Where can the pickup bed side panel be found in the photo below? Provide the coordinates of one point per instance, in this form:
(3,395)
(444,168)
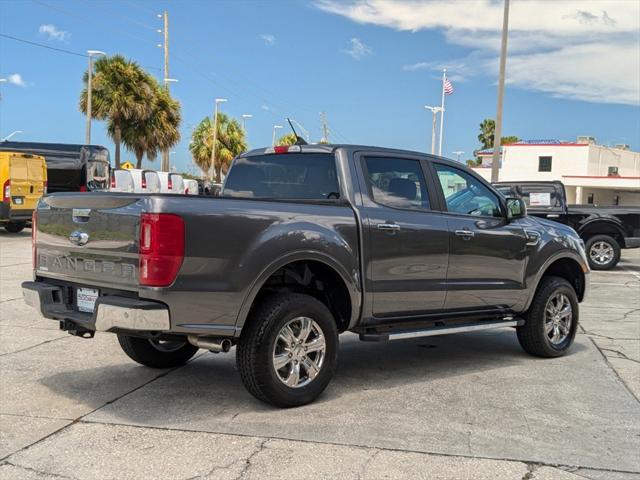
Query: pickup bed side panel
(232,244)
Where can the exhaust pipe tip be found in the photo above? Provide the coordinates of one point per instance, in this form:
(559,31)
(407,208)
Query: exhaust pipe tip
(215,345)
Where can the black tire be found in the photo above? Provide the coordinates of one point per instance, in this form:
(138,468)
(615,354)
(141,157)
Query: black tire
(255,350)
(15,227)
(599,240)
(531,335)
(156,354)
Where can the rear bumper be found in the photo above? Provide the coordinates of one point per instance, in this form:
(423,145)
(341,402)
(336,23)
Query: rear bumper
(14,214)
(632,242)
(112,312)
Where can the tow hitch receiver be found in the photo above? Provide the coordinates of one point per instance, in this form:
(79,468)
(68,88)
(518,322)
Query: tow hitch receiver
(76,330)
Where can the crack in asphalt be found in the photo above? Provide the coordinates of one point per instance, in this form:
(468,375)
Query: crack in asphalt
(38,472)
(365,465)
(247,464)
(33,346)
(622,355)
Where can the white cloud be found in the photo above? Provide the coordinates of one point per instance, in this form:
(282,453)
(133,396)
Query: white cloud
(358,49)
(52,33)
(267,39)
(16,79)
(265,108)
(566,48)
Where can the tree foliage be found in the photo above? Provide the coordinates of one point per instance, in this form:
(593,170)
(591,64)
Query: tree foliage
(287,139)
(487,134)
(230,143)
(122,92)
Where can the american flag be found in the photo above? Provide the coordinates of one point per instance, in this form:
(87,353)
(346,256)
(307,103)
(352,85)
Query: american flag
(448,88)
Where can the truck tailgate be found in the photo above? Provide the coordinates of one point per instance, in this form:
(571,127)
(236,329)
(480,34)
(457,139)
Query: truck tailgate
(89,238)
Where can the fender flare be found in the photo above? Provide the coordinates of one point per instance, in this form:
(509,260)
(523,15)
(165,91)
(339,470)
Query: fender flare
(351,283)
(611,222)
(545,266)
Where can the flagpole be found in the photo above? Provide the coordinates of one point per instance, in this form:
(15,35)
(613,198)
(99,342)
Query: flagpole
(444,78)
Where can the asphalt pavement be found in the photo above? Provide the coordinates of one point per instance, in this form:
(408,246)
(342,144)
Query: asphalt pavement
(465,406)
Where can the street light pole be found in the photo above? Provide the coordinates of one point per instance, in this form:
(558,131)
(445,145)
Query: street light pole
(434,112)
(165,166)
(458,153)
(244,118)
(273,137)
(90,53)
(495,163)
(215,138)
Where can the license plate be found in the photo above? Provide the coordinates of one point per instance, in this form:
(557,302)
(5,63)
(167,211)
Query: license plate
(86,299)
(17,200)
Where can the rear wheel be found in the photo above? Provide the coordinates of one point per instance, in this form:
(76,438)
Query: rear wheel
(552,319)
(156,353)
(603,252)
(15,227)
(288,350)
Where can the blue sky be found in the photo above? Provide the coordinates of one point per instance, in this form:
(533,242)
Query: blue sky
(371,65)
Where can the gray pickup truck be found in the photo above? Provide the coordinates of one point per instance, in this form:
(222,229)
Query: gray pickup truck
(306,242)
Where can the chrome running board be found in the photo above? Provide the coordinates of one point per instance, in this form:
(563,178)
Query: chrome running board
(432,331)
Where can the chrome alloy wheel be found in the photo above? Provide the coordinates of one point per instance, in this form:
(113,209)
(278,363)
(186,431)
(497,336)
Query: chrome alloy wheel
(558,318)
(299,352)
(601,253)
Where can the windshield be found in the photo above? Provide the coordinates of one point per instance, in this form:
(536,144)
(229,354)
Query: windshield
(303,176)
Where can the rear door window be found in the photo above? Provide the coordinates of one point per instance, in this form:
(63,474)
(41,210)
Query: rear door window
(97,176)
(397,182)
(540,196)
(302,176)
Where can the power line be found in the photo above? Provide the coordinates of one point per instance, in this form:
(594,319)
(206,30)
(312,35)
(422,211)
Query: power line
(48,47)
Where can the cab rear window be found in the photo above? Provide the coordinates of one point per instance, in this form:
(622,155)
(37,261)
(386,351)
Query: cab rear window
(303,176)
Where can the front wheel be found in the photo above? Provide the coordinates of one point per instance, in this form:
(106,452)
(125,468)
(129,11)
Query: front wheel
(603,252)
(15,227)
(552,319)
(156,353)
(288,350)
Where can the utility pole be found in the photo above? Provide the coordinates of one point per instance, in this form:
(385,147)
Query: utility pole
(434,112)
(90,53)
(165,16)
(495,163)
(325,128)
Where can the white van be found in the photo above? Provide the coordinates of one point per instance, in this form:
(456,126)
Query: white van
(190,187)
(145,181)
(121,181)
(171,183)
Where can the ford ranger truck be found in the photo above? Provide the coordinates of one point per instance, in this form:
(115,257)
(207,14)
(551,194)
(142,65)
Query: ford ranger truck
(304,243)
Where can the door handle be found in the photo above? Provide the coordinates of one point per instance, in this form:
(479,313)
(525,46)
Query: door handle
(389,227)
(467,234)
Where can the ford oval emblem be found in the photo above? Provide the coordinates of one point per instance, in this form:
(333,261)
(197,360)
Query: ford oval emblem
(79,238)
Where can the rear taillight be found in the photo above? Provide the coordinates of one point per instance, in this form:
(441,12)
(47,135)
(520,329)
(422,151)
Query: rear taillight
(284,149)
(34,237)
(113,180)
(83,188)
(144,182)
(161,248)
(6,191)
(169,183)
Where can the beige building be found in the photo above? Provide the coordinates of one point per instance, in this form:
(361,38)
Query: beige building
(591,173)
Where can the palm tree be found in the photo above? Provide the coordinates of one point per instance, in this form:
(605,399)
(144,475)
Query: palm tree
(121,92)
(487,132)
(287,139)
(230,143)
(160,131)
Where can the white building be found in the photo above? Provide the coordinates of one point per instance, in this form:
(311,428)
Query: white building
(591,173)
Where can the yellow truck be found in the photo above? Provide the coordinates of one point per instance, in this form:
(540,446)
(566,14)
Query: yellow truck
(24,180)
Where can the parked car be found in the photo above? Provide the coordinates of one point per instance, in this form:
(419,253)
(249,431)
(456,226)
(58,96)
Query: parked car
(24,180)
(122,181)
(171,183)
(70,167)
(191,187)
(604,229)
(212,189)
(306,242)
(145,181)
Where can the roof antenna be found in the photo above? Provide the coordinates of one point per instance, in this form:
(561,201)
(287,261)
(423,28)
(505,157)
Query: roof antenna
(299,139)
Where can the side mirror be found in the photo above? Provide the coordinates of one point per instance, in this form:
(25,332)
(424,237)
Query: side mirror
(516,208)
